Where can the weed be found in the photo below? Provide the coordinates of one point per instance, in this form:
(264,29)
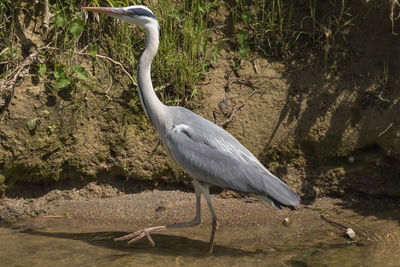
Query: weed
(277,28)
(269,27)
(9,55)
(64,76)
(185,52)
(51,128)
(383,79)
(265,24)
(380,85)
(32,124)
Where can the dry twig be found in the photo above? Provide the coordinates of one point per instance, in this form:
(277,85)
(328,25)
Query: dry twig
(112,61)
(387,129)
(236,108)
(46,16)
(7,84)
(395,3)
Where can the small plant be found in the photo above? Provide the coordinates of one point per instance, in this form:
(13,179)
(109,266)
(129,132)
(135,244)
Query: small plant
(51,128)
(9,54)
(3,187)
(185,52)
(32,124)
(276,27)
(244,47)
(65,76)
(383,79)
(267,25)
(68,23)
(380,85)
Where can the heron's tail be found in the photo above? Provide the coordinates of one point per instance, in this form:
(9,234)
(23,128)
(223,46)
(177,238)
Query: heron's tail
(276,192)
(273,202)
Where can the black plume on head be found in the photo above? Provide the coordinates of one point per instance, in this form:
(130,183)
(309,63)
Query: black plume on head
(141,12)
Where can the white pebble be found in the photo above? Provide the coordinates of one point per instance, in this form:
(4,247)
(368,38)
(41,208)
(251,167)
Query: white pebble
(286,221)
(350,233)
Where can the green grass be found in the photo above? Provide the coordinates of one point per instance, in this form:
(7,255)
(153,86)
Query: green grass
(182,61)
(276,28)
(281,28)
(9,55)
(184,53)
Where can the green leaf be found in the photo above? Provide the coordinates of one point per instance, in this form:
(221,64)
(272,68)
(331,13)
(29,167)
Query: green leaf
(58,72)
(62,82)
(93,49)
(42,69)
(66,39)
(246,17)
(202,49)
(244,50)
(32,124)
(201,9)
(80,72)
(61,21)
(76,26)
(242,37)
(51,128)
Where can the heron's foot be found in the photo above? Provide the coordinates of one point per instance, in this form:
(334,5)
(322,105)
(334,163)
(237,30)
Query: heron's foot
(211,243)
(140,234)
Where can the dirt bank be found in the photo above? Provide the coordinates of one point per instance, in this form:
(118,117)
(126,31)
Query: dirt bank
(324,129)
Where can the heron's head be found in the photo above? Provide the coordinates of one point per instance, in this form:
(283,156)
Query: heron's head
(139,15)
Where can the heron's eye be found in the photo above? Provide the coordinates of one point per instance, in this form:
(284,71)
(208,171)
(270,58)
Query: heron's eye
(130,12)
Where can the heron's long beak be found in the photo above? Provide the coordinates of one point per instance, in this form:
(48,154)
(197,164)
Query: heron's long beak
(111,11)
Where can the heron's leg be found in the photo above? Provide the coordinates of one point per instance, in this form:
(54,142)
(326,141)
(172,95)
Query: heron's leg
(197,219)
(214,221)
(146,232)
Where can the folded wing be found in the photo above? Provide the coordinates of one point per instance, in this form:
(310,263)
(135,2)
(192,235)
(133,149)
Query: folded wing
(209,153)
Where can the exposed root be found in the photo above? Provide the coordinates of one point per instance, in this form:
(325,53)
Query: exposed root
(387,129)
(7,84)
(112,61)
(46,16)
(236,108)
(393,17)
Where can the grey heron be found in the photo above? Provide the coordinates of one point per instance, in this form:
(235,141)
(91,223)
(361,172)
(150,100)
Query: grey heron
(208,153)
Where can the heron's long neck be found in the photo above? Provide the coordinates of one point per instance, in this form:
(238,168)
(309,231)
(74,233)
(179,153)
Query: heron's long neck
(154,109)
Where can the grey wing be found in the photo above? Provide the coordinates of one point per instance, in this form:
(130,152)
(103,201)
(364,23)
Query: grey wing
(209,153)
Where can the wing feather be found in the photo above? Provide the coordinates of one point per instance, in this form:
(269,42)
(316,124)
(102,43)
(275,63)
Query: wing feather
(221,160)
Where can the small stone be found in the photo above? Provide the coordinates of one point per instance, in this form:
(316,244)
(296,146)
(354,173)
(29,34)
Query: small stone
(224,104)
(286,222)
(351,159)
(160,209)
(351,234)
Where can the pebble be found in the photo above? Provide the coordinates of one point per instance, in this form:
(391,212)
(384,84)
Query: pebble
(350,233)
(351,159)
(286,222)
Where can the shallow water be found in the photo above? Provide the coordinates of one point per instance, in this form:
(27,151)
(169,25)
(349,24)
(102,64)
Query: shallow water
(378,245)
(46,247)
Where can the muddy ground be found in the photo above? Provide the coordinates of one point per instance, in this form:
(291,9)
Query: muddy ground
(249,232)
